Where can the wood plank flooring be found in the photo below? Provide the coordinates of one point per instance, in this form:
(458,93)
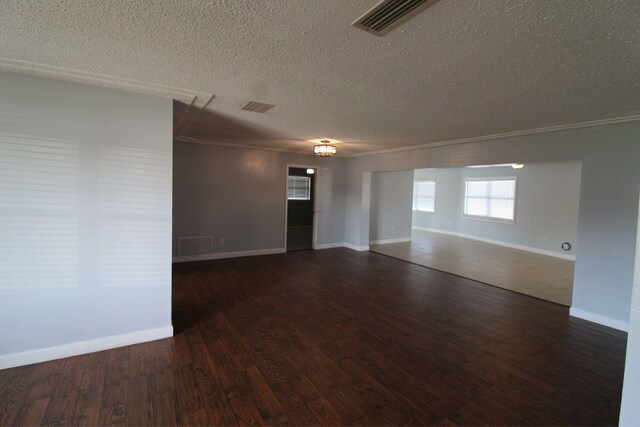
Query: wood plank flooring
(541,276)
(335,337)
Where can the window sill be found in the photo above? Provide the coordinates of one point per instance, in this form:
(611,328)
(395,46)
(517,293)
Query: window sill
(490,219)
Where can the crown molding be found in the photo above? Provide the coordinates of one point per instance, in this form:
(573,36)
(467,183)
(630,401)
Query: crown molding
(580,125)
(180,131)
(593,123)
(238,145)
(95,79)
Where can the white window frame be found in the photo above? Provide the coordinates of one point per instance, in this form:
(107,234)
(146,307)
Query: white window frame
(435,188)
(491,218)
(308,187)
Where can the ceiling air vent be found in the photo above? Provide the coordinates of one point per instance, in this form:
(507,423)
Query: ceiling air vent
(388,14)
(257,107)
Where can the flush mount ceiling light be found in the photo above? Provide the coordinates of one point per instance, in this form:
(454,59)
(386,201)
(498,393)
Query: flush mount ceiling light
(324,149)
(310,171)
(517,165)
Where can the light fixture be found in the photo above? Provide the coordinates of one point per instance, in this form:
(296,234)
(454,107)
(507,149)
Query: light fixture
(324,150)
(501,165)
(310,171)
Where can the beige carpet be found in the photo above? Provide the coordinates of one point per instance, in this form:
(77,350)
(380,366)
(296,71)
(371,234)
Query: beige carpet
(528,273)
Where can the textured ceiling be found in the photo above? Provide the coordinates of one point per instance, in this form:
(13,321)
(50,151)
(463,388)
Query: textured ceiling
(460,69)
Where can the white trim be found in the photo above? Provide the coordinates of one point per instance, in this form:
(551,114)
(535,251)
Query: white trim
(435,230)
(488,217)
(355,248)
(221,143)
(388,241)
(593,123)
(182,130)
(599,319)
(316,179)
(222,255)
(95,79)
(329,245)
(501,243)
(579,125)
(413,196)
(83,347)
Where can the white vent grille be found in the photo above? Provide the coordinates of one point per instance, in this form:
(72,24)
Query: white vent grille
(388,14)
(257,107)
(189,246)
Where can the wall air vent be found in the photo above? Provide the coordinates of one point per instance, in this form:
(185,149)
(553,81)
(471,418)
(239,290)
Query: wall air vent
(388,14)
(199,245)
(257,107)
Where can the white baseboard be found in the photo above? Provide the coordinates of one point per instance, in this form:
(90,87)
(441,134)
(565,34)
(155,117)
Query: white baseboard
(599,319)
(387,241)
(342,245)
(223,255)
(355,248)
(329,245)
(83,347)
(436,230)
(499,242)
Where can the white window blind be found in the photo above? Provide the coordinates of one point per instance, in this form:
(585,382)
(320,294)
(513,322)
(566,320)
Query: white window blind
(490,198)
(424,196)
(299,188)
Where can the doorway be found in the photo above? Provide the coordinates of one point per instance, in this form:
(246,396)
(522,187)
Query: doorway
(300,208)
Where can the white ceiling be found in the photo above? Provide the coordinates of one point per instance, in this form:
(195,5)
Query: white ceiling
(460,69)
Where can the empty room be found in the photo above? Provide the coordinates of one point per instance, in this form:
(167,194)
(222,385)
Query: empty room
(319,212)
(513,226)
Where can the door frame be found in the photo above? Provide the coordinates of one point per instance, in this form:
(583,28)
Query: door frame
(316,180)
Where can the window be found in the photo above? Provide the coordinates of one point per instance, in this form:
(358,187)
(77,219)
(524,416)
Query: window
(424,196)
(490,198)
(298,188)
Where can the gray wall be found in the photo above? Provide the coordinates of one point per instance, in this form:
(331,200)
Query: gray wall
(547,203)
(608,200)
(85,216)
(391,199)
(239,195)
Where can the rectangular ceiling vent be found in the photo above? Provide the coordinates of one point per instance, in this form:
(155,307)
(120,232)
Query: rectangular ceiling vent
(388,14)
(257,107)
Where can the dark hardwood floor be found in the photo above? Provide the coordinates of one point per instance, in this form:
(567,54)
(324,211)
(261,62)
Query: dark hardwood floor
(336,337)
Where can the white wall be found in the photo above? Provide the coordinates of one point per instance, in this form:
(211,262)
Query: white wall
(391,199)
(447,204)
(239,195)
(85,218)
(630,410)
(546,210)
(607,219)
